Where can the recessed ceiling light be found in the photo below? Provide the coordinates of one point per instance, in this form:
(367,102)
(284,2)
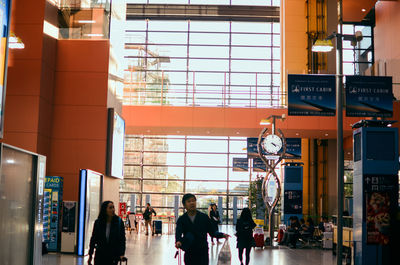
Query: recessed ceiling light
(364,10)
(237,132)
(326,134)
(178,131)
(349,153)
(297,134)
(208,132)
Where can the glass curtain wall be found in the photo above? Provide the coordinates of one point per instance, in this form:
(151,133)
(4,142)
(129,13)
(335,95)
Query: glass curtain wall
(203,63)
(165,166)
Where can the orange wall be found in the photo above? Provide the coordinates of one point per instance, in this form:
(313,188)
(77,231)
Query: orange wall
(23,91)
(79,133)
(387,39)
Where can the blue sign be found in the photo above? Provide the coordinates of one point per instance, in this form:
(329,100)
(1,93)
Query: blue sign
(293,148)
(252,147)
(240,164)
(311,95)
(259,165)
(369,96)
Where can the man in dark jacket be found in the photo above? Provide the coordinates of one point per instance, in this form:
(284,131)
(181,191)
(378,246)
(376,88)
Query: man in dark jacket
(148,216)
(191,233)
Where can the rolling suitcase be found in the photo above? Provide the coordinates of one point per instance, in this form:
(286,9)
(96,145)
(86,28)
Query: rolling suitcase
(259,237)
(157,227)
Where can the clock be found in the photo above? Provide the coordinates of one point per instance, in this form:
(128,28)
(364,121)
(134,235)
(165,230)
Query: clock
(272,144)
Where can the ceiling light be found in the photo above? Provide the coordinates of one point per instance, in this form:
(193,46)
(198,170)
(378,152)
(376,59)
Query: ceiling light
(349,153)
(148,131)
(237,133)
(178,131)
(322,46)
(326,134)
(15,42)
(86,21)
(94,35)
(208,132)
(265,122)
(10,161)
(297,134)
(364,10)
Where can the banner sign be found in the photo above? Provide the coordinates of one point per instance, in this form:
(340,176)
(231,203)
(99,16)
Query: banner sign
(252,150)
(381,204)
(311,95)
(369,96)
(240,164)
(293,148)
(293,202)
(259,165)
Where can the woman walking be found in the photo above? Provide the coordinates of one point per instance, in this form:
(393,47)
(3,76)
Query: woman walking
(244,233)
(215,220)
(108,237)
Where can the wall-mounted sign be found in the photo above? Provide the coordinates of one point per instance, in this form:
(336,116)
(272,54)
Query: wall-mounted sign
(259,165)
(369,96)
(240,164)
(311,95)
(293,202)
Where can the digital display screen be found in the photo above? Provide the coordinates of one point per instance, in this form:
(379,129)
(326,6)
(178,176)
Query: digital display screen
(117,150)
(293,175)
(380,146)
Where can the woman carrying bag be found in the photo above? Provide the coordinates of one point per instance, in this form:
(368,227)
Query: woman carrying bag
(244,233)
(108,237)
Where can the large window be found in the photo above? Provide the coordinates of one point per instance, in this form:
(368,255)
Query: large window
(357,59)
(210,2)
(227,63)
(158,167)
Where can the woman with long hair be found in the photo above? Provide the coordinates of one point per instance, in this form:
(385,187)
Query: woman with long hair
(108,237)
(244,233)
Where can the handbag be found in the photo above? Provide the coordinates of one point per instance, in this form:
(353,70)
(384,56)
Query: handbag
(224,256)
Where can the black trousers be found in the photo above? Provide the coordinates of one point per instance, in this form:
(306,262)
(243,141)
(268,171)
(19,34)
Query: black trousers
(198,257)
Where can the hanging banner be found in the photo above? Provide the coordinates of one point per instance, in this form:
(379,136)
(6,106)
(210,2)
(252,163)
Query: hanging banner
(4,31)
(252,150)
(240,164)
(369,96)
(259,165)
(293,148)
(293,202)
(311,95)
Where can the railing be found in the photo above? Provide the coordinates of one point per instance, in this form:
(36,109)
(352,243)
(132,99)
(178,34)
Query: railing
(203,95)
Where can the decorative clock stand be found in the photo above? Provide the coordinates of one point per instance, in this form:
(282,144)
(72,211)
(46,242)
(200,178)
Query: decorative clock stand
(271,149)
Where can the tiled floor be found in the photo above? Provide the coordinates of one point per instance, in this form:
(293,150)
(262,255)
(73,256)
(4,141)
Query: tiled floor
(160,250)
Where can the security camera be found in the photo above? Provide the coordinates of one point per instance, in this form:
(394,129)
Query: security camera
(359,36)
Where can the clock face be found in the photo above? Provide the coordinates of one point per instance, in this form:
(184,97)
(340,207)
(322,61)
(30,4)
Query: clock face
(272,144)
